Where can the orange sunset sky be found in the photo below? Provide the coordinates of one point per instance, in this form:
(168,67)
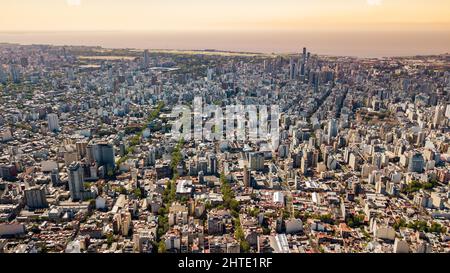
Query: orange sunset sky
(207,15)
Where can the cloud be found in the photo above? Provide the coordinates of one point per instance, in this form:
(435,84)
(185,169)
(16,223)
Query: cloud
(374,2)
(73,3)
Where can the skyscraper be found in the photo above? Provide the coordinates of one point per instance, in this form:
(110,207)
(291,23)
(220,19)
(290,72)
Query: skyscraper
(53,122)
(316,81)
(76,180)
(146,58)
(292,69)
(302,68)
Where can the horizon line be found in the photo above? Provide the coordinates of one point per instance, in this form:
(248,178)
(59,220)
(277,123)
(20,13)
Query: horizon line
(212,50)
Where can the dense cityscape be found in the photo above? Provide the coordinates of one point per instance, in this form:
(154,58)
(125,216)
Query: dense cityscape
(89,164)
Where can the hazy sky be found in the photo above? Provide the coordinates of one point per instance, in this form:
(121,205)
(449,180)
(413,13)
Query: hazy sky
(207,15)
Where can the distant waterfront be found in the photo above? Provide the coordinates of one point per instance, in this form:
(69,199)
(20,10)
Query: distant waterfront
(360,44)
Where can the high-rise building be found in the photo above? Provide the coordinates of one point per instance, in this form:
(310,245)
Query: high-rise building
(201,177)
(332,129)
(353,161)
(416,163)
(212,160)
(53,122)
(70,74)
(102,154)
(55,177)
(304,165)
(8,172)
(3,76)
(81,148)
(256,161)
(447,112)
(76,180)
(316,81)
(292,69)
(215,225)
(203,165)
(146,58)
(209,74)
(377,160)
(35,198)
(303,65)
(438,116)
(247,177)
(15,73)
(152,156)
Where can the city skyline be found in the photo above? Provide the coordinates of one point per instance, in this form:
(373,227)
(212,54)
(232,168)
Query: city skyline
(354,158)
(362,28)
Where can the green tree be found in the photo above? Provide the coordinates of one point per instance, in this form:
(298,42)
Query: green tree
(138,193)
(401,223)
(162,247)
(109,239)
(245,247)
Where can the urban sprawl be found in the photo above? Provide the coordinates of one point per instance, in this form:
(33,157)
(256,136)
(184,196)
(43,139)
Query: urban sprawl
(89,162)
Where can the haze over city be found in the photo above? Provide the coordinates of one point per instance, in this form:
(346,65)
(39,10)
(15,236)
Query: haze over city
(364,28)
